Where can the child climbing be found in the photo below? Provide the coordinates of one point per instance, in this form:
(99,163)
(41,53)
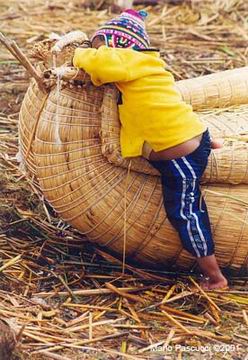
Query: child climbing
(156,122)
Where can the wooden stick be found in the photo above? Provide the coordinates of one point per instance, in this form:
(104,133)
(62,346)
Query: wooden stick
(204,294)
(182,313)
(211,319)
(26,63)
(10,262)
(175,322)
(245,317)
(90,326)
(53,356)
(21,57)
(176,297)
(169,338)
(7,43)
(123,293)
(92,292)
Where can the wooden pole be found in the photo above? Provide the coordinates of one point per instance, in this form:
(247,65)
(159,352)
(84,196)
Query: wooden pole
(22,58)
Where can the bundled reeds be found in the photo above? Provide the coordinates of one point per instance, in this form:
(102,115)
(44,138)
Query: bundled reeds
(62,294)
(73,149)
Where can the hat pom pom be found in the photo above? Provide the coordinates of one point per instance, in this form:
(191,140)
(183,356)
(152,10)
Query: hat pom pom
(143,14)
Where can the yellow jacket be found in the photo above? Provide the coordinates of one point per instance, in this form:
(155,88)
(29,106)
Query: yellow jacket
(152,109)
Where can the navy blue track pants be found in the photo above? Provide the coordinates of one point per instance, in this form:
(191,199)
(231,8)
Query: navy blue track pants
(183,201)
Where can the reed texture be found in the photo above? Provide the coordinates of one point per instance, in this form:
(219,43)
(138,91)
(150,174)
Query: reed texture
(68,156)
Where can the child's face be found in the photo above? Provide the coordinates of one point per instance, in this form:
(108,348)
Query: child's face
(97,42)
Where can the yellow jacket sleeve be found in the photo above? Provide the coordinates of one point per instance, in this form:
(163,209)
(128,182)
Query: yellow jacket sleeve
(106,65)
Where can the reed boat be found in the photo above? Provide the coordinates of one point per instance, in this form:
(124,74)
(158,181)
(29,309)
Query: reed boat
(69,143)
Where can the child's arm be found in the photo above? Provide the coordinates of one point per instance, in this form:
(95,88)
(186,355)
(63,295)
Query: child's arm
(106,65)
(103,65)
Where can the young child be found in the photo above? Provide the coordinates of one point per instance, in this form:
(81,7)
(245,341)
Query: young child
(153,114)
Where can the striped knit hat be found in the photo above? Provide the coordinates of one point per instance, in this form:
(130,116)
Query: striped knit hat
(126,31)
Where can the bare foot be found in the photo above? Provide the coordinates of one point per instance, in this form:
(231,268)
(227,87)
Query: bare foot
(211,270)
(216,143)
(216,282)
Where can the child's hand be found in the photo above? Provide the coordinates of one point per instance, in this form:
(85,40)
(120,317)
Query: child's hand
(217,143)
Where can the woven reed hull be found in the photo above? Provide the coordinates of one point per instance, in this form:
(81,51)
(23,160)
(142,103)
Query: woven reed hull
(217,90)
(31,108)
(88,192)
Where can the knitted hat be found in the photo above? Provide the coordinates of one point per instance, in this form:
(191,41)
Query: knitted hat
(126,31)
